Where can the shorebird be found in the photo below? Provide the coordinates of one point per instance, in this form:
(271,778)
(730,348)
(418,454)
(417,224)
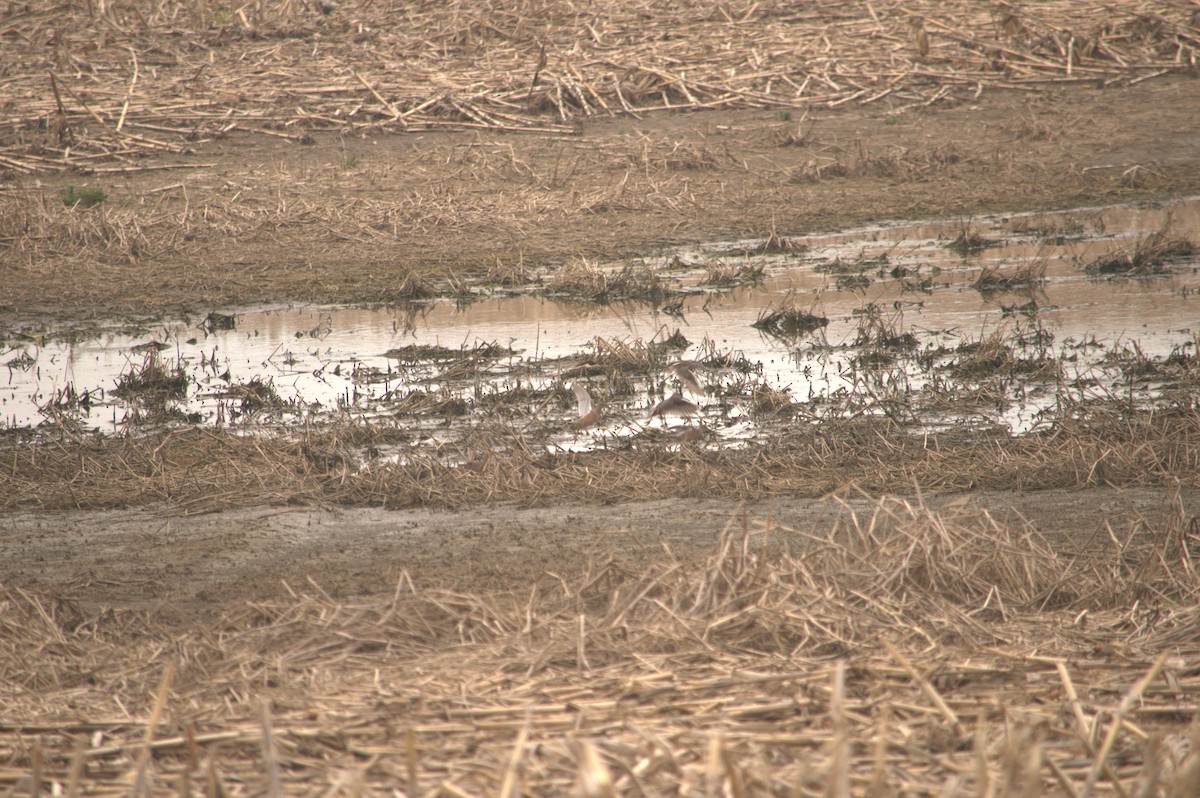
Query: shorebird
(674,405)
(589,413)
(683,433)
(685,372)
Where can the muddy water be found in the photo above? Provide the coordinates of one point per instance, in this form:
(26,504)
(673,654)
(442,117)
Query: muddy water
(323,362)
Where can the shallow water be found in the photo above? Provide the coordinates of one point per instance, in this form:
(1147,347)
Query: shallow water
(332,361)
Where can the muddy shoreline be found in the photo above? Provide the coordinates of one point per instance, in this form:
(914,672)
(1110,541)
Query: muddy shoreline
(250,222)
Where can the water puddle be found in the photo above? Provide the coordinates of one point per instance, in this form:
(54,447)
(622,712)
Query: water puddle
(898,319)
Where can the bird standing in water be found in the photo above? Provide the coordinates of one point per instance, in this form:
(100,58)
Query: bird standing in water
(589,412)
(685,372)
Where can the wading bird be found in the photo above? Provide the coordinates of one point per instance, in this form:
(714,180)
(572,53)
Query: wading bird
(682,433)
(685,372)
(674,405)
(589,412)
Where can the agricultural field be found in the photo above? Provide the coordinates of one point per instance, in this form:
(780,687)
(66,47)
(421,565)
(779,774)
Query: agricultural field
(544,398)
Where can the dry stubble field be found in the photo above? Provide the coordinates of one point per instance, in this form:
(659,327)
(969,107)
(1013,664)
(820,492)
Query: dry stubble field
(1021,621)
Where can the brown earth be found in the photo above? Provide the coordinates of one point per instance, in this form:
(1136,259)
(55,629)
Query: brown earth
(376,217)
(152,558)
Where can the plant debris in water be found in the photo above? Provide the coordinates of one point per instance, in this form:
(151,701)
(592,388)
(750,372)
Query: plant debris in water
(218,321)
(1149,255)
(852,282)
(256,394)
(859,265)
(411,287)
(774,244)
(1003,277)
(768,400)
(789,321)
(441,396)
(878,333)
(719,274)
(969,242)
(613,355)
(581,280)
(413,354)
(153,379)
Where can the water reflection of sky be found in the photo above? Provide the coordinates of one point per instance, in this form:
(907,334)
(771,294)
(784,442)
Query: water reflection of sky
(310,354)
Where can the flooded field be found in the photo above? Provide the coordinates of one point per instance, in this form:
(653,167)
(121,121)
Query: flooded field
(331,466)
(982,322)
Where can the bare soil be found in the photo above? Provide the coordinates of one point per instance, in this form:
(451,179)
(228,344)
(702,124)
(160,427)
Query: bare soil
(189,567)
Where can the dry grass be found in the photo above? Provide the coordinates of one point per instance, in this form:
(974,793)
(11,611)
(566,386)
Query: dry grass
(121,97)
(1098,443)
(100,83)
(157,244)
(921,652)
(37,227)
(678,156)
